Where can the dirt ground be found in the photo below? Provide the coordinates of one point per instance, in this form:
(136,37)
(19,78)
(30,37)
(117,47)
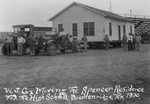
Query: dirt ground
(94,68)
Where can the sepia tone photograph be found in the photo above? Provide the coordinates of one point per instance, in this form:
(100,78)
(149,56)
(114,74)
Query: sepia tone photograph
(74,52)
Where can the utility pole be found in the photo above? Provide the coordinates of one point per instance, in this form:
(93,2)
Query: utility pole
(110,7)
(130,13)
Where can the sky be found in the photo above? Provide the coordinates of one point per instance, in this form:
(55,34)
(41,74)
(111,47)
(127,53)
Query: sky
(37,12)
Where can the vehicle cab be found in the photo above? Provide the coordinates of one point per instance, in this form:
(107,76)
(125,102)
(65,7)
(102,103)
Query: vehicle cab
(23,29)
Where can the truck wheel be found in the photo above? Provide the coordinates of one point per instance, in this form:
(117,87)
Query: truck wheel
(4,49)
(119,45)
(51,49)
(62,50)
(78,48)
(37,51)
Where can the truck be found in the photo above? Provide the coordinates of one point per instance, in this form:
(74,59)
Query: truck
(53,43)
(25,30)
(47,40)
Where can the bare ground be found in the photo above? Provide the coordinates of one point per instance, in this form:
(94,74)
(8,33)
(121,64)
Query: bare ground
(95,68)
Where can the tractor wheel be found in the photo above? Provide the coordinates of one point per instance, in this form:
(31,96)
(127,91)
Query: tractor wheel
(62,50)
(51,49)
(77,48)
(4,49)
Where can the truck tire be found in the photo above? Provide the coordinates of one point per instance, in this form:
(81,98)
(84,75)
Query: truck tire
(37,51)
(62,50)
(51,49)
(77,48)
(4,49)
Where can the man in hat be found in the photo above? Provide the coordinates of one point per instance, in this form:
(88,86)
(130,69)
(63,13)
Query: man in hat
(124,42)
(9,44)
(32,42)
(20,42)
(130,40)
(134,42)
(62,32)
(106,40)
(84,39)
(137,42)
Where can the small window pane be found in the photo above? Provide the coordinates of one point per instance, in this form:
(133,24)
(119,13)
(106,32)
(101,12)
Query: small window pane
(75,29)
(89,28)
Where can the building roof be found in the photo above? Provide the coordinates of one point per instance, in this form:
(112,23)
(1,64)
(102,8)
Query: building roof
(23,25)
(106,14)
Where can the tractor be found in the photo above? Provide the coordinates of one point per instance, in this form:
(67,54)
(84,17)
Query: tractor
(51,44)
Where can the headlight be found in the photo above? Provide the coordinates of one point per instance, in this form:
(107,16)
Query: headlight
(44,43)
(36,43)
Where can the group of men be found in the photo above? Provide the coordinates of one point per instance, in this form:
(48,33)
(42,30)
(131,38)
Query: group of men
(9,41)
(131,43)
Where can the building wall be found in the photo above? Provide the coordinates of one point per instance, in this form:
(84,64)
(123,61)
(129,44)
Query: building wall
(115,23)
(79,15)
(128,28)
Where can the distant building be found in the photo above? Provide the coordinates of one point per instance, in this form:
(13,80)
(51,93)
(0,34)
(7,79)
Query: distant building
(79,19)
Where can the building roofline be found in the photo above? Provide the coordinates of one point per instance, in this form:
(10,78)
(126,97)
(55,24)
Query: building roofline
(23,25)
(104,13)
(72,5)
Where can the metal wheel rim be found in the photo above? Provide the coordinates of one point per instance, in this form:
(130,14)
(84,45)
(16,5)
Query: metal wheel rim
(52,49)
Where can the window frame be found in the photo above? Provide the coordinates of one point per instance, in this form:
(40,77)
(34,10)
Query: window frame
(74,29)
(60,26)
(110,29)
(119,32)
(124,29)
(89,28)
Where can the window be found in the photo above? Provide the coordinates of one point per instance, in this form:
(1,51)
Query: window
(27,29)
(119,32)
(131,29)
(74,29)
(60,26)
(91,25)
(124,29)
(89,29)
(110,29)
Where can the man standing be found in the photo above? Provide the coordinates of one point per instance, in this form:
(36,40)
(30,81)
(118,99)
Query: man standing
(130,40)
(137,42)
(32,42)
(70,37)
(134,42)
(62,36)
(62,32)
(106,40)
(84,39)
(20,41)
(124,42)
(9,44)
